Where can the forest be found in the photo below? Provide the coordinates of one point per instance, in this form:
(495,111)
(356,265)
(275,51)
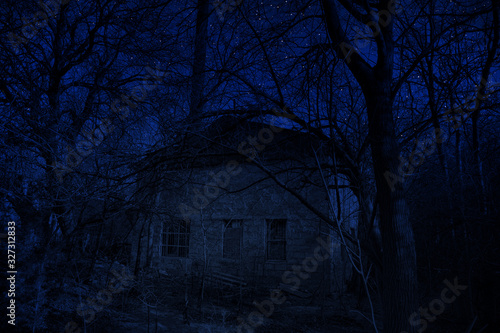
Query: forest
(379,118)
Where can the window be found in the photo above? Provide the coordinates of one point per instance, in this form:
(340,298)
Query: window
(276,239)
(231,245)
(175,239)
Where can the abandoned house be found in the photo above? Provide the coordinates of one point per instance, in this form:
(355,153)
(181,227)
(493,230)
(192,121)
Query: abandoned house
(244,199)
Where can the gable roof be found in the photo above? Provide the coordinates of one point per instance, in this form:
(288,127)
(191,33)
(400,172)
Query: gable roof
(230,137)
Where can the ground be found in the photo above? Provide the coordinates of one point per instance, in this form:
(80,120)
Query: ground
(164,297)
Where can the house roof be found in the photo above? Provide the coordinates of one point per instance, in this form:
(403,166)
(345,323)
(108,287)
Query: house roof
(230,137)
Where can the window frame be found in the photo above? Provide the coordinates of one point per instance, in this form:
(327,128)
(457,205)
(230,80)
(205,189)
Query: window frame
(172,232)
(283,240)
(228,225)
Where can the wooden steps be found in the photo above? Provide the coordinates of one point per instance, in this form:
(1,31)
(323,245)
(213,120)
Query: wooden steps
(226,279)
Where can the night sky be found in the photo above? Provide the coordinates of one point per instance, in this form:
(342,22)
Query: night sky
(386,110)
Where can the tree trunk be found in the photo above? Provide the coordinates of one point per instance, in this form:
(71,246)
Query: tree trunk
(399,295)
(199,59)
(399,258)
